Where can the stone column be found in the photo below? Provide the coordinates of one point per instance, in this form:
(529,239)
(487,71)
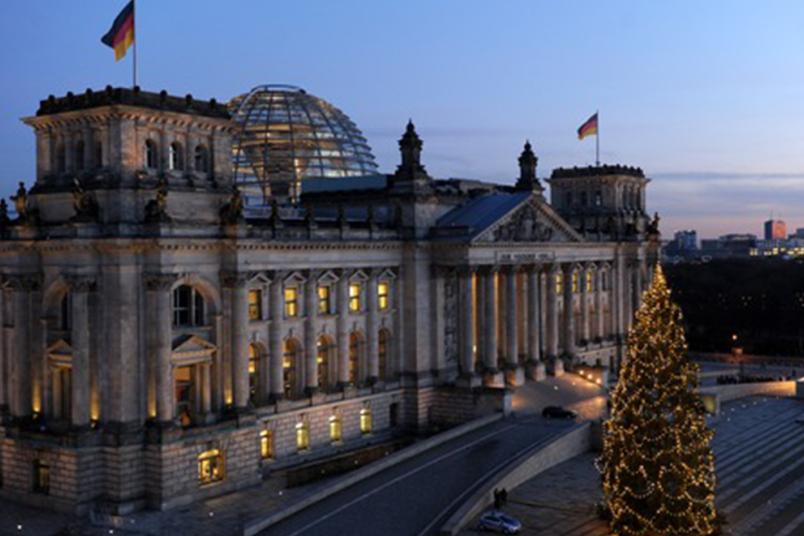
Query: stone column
(493,377)
(535,369)
(490,356)
(160,312)
(79,340)
(239,330)
(600,318)
(275,356)
(372,327)
(556,364)
(514,374)
(437,324)
(467,326)
(343,329)
(583,274)
(3,377)
(637,272)
(19,366)
(569,320)
(310,347)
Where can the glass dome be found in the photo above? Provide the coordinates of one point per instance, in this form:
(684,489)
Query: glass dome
(284,135)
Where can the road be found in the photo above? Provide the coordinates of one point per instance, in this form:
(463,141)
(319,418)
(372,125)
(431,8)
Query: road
(418,495)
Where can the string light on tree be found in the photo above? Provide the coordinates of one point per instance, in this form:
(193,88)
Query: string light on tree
(657,466)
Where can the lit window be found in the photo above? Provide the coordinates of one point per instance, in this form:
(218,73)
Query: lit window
(188,307)
(41,477)
(354,297)
(335,428)
(354,357)
(289,358)
(254,304)
(253,367)
(267,444)
(291,302)
(210,467)
(176,157)
(322,361)
(302,436)
(559,283)
(382,353)
(184,388)
(324,302)
(365,421)
(383,290)
(589,282)
(575,287)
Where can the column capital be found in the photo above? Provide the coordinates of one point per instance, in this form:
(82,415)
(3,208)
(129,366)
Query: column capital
(156,281)
(510,268)
(29,282)
(569,267)
(465,270)
(234,279)
(80,283)
(488,269)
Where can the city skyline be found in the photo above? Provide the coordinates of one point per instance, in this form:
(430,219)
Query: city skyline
(701,111)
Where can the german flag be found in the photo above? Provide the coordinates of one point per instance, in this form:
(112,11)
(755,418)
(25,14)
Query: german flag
(589,128)
(121,35)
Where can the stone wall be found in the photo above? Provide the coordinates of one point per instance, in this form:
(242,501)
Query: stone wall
(451,406)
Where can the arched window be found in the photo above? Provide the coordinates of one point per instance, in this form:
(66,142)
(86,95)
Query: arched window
(253,371)
(355,347)
(290,360)
(151,157)
(201,159)
(65,313)
(98,154)
(176,157)
(79,155)
(323,349)
(61,158)
(383,347)
(188,307)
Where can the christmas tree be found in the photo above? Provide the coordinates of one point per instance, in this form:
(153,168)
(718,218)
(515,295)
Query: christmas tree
(657,467)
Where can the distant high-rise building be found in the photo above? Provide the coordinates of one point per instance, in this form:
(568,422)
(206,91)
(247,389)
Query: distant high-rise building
(687,240)
(799,232)
(775,230)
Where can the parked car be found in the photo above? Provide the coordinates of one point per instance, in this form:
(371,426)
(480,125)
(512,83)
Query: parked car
(499,522)
(557,412)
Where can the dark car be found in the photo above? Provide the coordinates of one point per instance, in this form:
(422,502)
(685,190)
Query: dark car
(499,522)
(557,412)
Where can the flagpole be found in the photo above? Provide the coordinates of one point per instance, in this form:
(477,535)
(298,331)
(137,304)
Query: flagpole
(134,31)
(597,136)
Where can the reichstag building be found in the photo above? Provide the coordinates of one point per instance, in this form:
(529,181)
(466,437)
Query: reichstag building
(197,296)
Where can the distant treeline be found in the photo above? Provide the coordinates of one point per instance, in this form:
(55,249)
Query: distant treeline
(759,300)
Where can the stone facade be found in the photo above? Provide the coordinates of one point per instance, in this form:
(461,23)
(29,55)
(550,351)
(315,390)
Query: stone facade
(162,343)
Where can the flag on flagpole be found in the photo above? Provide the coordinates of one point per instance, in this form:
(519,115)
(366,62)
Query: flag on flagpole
(589,128)
(121,36)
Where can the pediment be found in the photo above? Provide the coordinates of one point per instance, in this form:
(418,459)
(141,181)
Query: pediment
(60,353)
(531,221)
(190,349)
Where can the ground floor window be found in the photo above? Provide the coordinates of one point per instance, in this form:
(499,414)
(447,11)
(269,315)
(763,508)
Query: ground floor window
(335,428)
(185,394)
(267,444)
(210,466)
(365,421)
(41,477)
(302,436)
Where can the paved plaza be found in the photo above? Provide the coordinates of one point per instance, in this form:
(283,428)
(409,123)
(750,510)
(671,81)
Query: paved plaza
(759,450)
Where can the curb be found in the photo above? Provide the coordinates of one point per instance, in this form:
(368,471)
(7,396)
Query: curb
(251,528)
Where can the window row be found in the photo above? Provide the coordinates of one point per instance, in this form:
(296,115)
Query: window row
(175,157)
(589,281)
(326,364)
(81,159)
(325,299)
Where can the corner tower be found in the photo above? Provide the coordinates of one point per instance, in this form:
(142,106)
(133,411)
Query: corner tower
(110,151)
(602,202)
